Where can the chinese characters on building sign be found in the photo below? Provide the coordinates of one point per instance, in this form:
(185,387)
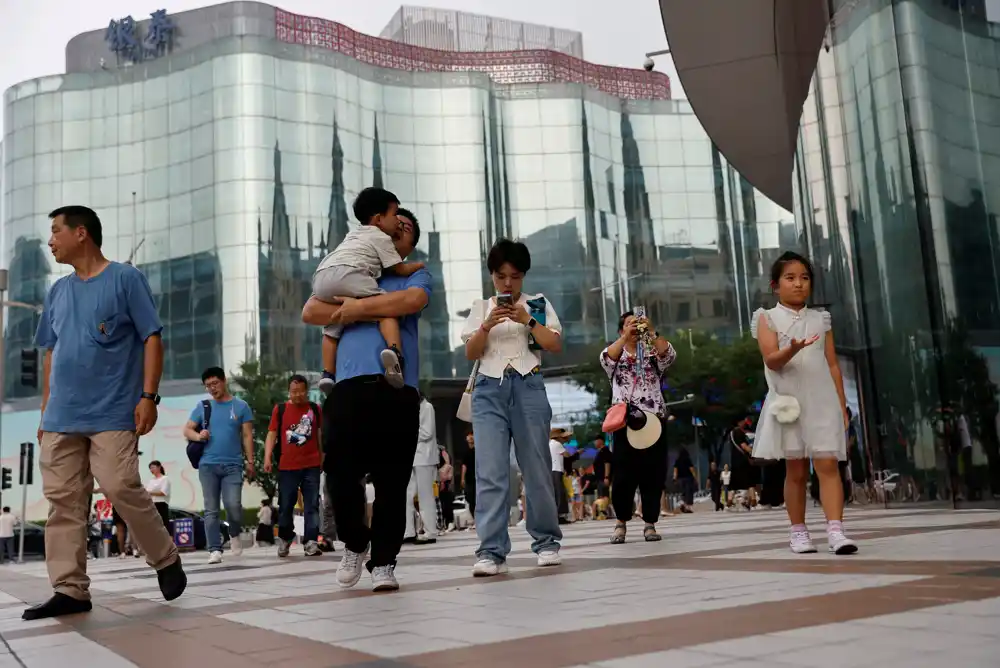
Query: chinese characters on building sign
(123,39)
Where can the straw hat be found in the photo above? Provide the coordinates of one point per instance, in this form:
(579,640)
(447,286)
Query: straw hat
(643,428)
(559,432)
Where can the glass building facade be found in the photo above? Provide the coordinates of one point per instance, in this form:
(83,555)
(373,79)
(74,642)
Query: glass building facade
(226,172)
(897,188)
(451,30)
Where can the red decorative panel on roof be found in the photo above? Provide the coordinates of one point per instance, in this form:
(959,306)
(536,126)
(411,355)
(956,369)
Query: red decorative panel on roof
(503,67)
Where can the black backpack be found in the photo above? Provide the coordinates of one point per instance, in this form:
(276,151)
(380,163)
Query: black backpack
(276,454)
(195,449)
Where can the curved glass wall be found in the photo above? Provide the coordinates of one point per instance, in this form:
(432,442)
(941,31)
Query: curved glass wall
(899,181)
(229,172)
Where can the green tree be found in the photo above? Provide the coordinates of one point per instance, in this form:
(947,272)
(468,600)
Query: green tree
(261,387)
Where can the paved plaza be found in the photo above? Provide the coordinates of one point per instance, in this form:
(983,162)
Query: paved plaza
(720,589)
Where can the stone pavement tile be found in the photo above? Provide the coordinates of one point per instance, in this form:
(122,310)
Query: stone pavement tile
(676,658)
(403,643)
(80,653)
(31,643)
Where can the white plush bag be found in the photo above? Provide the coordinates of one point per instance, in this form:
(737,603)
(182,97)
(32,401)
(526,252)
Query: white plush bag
(464,412)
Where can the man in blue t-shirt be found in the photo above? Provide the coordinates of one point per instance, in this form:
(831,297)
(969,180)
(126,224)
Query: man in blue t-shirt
(369,427)
(100,378)
(228,439)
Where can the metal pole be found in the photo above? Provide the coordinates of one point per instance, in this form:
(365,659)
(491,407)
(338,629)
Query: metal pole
(24,503)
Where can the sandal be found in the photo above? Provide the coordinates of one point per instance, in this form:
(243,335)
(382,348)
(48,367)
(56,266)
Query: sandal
(649,533)
(618,535)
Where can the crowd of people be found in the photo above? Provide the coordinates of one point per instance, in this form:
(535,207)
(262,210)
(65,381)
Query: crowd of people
(358,461)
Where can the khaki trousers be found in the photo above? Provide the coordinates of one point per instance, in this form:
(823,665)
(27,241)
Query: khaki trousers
(69,463)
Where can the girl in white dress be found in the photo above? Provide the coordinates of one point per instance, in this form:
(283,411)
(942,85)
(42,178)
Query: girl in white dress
(805,414)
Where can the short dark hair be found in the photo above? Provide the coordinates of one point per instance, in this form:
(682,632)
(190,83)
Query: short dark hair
(299,378)
(506,251)
(406,213)
(159,465)
(622,318)
(213,372)
(75,216)
(787,258)
(6,509)
(370,202)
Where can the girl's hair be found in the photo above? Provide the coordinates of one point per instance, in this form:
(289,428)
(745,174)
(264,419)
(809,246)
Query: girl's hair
(157,464)
(785,259)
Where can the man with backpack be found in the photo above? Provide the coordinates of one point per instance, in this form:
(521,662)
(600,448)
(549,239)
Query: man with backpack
(293,443)
(220,445)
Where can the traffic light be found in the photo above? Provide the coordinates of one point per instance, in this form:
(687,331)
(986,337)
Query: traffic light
(29,367)
(5,474)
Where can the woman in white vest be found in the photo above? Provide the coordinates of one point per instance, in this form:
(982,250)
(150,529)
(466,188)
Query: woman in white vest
(506,335)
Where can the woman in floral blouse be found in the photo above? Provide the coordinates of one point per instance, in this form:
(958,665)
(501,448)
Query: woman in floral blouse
(631,468)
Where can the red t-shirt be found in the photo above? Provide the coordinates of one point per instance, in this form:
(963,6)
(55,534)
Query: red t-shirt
(298,436)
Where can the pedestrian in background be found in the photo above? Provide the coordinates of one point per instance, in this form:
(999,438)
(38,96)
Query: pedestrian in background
(7,523)
(224,423)
(293,438)
(637,383)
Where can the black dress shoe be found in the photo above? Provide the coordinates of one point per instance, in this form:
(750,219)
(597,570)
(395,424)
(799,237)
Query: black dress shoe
(172,580)
(426,541)
(409,540)
(57,606)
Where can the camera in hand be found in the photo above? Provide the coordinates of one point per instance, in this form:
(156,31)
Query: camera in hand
(505,299)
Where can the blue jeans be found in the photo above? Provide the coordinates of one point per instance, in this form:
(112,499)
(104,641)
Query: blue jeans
(223,481)
(517,408)
(289,483)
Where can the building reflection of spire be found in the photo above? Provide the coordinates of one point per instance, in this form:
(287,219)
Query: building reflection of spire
(436,358)
(591,311)
(376,157)
(641,251)
(337,213)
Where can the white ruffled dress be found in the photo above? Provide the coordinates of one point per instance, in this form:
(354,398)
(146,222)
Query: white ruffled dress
(819,430)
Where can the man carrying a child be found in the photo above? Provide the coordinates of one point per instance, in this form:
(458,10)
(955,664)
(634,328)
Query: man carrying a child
(370,424)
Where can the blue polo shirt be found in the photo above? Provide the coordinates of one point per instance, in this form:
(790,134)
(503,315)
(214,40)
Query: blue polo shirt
(360,346)
(96,329)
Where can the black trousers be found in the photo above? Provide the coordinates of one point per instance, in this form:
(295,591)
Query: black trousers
(642,469)
(559,487)
(370,428)
(163,508)
(447,498)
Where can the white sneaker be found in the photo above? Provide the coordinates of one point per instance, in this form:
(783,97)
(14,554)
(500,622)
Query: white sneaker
(801,543)
(384,578)
(393,370)
(215,557)
(549,558)
(487,568)
(236,546)
(840,544)
(283,547)
(351,565)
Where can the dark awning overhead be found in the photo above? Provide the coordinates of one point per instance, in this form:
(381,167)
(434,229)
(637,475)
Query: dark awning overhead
(745,66)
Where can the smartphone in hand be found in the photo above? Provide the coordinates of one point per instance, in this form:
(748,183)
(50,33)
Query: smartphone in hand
(505,299)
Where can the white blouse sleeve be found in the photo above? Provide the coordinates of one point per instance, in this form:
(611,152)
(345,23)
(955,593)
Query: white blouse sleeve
(827,321)
(755,321)
(474,321)
(165,487)
(551,319)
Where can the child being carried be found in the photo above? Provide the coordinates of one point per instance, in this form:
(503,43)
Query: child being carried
(353,270)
